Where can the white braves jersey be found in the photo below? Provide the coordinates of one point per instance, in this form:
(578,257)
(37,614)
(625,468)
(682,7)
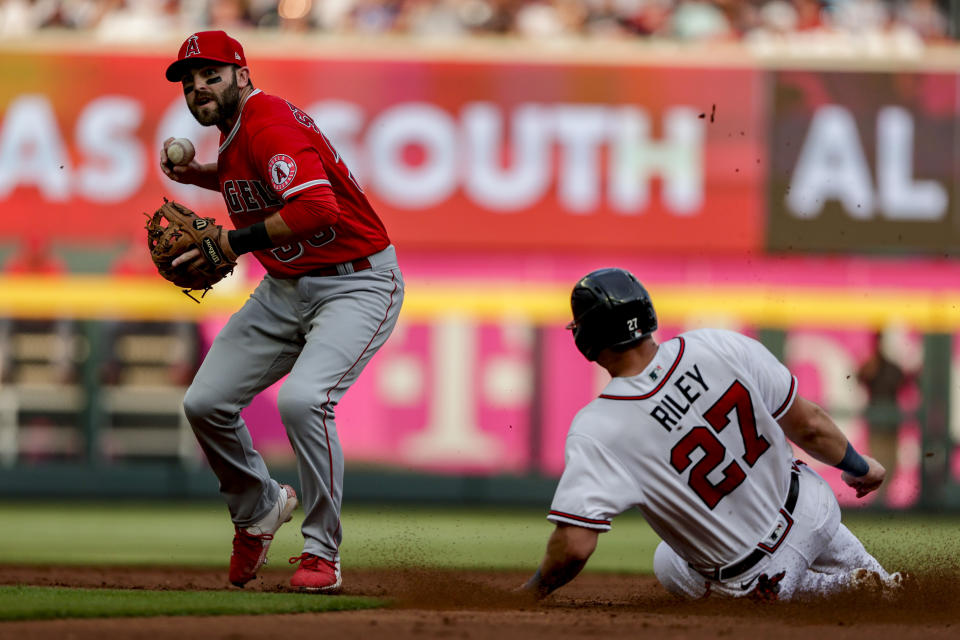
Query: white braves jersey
(692,441)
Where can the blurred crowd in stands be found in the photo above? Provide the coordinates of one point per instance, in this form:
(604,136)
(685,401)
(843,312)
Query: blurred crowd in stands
(685,20)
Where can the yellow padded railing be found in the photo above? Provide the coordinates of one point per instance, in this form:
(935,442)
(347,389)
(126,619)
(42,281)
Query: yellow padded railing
(760,305)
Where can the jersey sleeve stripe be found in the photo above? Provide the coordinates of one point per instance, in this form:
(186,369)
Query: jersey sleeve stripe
(590,523)
(791,395)
(657,388)
(300,187)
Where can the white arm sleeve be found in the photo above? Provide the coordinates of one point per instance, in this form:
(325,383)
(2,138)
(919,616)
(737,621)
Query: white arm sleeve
(777,386)
(594,486)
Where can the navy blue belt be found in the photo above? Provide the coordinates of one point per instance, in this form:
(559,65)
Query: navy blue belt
(745,564)
(322,272)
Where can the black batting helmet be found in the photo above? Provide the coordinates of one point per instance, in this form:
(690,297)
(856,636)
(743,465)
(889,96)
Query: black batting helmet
(611,309)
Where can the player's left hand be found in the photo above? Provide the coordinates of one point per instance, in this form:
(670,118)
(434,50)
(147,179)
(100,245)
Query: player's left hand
(868,482)
(188,250)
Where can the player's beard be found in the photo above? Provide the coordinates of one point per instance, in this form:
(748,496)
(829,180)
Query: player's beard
(226,105)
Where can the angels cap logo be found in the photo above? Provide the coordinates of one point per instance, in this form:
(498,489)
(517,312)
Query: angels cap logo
(193,46)
(282,170)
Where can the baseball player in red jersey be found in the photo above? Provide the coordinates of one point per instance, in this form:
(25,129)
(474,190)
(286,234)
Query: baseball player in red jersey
(694,432)
(329,301)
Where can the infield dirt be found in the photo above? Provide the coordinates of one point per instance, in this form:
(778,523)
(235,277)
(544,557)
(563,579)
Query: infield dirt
(475,604)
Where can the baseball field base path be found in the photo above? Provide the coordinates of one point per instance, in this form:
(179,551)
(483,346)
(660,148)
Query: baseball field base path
(472,604)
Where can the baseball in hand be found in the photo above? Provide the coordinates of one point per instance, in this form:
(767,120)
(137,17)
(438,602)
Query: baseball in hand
(180,151)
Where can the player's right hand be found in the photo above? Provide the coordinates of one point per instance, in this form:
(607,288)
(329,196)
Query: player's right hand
(186,174)
(868,482)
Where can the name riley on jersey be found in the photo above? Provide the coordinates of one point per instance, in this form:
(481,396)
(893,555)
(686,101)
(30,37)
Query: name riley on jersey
(677,401)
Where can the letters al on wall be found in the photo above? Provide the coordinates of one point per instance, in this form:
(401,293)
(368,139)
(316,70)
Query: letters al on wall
(863,162)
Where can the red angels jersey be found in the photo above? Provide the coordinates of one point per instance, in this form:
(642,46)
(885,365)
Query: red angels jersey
(692,441)
(276,153)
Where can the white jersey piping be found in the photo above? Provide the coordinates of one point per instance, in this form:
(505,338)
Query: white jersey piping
(236,126)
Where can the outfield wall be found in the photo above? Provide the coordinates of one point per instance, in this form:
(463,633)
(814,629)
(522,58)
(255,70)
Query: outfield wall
(803,204)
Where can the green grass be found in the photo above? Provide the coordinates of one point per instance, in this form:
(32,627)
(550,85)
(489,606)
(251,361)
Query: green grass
(484,538)
(478,538)
(32,603)
(907,541)
(199,535)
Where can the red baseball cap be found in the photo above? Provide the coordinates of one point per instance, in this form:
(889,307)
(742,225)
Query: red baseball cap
(215,46)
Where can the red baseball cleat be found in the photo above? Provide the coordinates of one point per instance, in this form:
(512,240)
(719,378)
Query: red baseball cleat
(250,544)
(316,574)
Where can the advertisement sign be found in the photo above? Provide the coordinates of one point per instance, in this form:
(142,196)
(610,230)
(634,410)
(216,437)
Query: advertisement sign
(453,155)
(863,162)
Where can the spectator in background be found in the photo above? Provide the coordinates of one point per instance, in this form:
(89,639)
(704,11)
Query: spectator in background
(433,18)
(295,15)
(651,17)
(500,19)
(333,16)
(776,18)
(924,17)
(136,20)
(860,16)
(607,18)
(372,17)
(697,20)
(904,21)
(541,19)
(229,14)
(809,15)
(19,18)
(883,379)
